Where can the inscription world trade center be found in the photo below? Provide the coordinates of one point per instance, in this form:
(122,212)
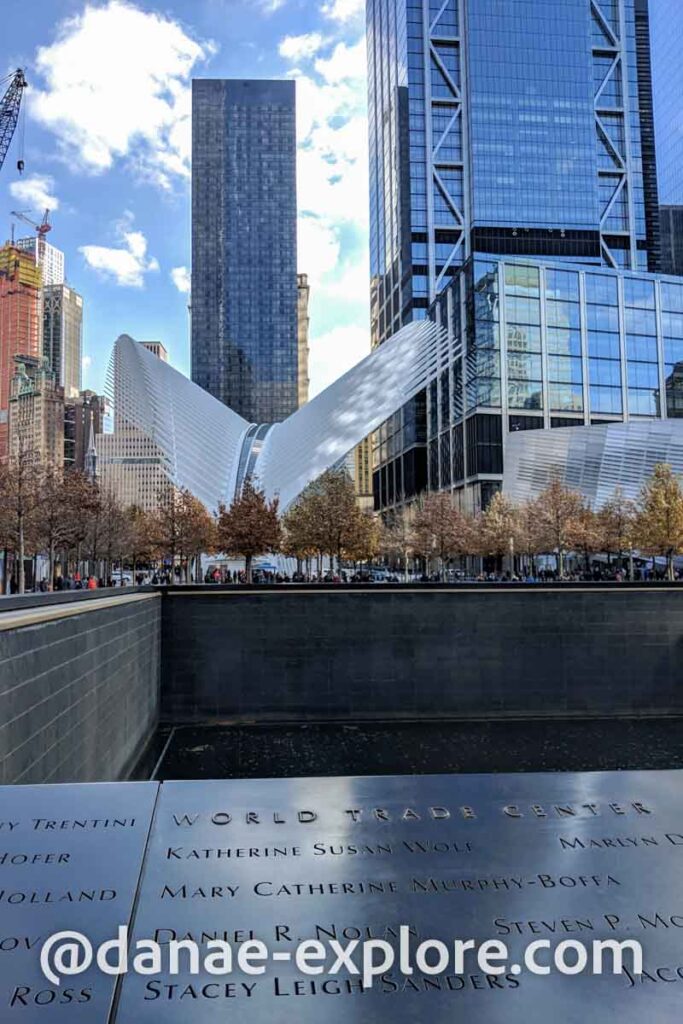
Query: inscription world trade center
(519,859)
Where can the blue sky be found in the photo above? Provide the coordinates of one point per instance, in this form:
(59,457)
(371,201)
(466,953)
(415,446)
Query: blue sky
(107,148)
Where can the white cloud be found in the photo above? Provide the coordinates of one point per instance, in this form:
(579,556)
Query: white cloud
(332,173)
(117,86)
(86,362)
(344,10)
(126,265)
(270,6)
(334,353)
(181,279)
(36,192)
(301,47)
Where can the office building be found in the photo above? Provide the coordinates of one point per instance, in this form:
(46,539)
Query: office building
(544,346)
(666,29)
(666,22)
(521,129)
(48,257)
(63,335)
(84,419)
(304,324)
(36,413)
(671,229)
(244,236)
(20,322)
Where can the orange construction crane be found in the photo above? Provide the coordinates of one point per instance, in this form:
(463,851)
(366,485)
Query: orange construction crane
(41,229)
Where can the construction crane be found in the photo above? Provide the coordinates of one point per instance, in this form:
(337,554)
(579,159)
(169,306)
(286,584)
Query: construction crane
(10,105)
(41,229)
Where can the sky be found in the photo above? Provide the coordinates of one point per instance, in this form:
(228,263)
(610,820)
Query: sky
(107,144)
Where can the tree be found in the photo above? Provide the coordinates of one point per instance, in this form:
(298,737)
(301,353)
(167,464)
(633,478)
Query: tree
(326,519)
(197,530)
(440,529)
(19,497)
(396,537)
(250,527)
(585,534)
(617,524)
(363,545)
(529,540)
(298,539)
(659,525)
(557,508)
(497,527)
(53,522)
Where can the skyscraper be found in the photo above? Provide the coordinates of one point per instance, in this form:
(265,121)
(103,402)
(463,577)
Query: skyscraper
(666,23)
(244,259)
(63,335)
(48,257)
(20,301)
(521,128)
(304,322)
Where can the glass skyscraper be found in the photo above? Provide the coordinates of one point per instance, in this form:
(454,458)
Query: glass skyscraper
(666,20)
(244,237)
(521,128)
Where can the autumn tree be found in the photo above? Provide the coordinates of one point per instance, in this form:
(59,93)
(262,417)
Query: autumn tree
(197,531)
(250,527)
(496,529)
(529,540)
(139,536)
(396,537)
(659,525)
(618,524)
(326,518)
(363,543)
(557,508)
(440,530)
(298,539)
(585,534)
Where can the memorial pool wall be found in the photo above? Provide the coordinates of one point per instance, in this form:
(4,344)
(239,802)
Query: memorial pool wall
(85,679)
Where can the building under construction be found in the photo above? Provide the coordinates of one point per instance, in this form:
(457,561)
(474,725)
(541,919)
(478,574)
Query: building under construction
(20,322)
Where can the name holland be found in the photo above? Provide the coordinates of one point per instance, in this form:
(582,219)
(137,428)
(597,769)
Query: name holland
(358,815)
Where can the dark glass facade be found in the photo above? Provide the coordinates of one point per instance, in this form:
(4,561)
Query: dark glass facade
(521,128)
(244,259)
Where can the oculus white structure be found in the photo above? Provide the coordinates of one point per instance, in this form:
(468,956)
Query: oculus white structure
(593,460)
(169,430)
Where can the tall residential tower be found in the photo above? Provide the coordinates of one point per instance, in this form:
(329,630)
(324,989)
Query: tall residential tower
(244,258)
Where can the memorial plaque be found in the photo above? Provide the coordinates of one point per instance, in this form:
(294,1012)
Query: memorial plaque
(70,860)
(514,858)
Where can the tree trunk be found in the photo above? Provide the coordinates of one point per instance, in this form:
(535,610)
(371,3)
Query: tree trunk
(51,567)
(630,566)
(247,567)
(21,578)
(670,566)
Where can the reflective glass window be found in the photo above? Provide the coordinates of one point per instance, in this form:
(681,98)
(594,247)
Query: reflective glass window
(562,284)
(605,372)
(523,338)
(640,321)
(565,398)
(602,345)
(606,400)
(601,288)
(602,318)
(639,293)
(564,342)
(672,297)
(563,314)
